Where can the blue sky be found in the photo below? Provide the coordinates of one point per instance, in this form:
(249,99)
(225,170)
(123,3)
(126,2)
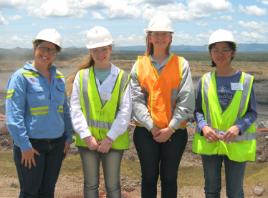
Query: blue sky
(193,20)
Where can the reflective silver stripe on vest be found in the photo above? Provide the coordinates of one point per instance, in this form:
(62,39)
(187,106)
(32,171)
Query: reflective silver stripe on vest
(244,136)
(123,85)
(99,124)
(124,82)
(206,87)
(85,93)
(245,93)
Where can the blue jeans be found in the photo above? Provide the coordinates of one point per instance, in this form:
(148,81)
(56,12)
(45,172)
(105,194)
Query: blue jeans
(234,176)
(40,181)
(159,158)
(111,162)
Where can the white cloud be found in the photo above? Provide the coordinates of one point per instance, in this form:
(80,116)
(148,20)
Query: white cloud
(203,8)
(133,39)
(158,2)
(249,37)
(208,5)
(176,11)
(260,27)
(202,23)
(226,18)
(253,10)
(182,38)
(3,21)
(264,1)
(121,9)
(12,3)
(89,3)
(102,9)
(16,38)
(97,15)
(12,41)
(195,9)
(15,18)
(59,8)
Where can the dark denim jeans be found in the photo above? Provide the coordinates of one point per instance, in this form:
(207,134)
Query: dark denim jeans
(39,181)
(159,158)
(234,175)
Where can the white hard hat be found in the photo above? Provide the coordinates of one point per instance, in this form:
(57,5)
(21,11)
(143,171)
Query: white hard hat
(159,23)
(98,37)
(221,35)
(50,35)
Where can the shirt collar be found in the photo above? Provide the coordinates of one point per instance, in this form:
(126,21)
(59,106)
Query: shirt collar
(114,69)
(29,66)
(159,65)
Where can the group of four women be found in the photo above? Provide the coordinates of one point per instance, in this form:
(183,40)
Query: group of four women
(158,95)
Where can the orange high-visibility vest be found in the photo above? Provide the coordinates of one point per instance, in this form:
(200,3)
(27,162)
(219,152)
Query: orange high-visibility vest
(160,87)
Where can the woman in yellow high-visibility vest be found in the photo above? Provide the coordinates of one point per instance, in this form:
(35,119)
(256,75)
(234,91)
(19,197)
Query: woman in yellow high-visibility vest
(100,111)
(225,115)
(163,99)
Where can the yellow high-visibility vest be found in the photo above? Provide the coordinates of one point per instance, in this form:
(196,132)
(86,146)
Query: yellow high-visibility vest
(101,116)
(243,148)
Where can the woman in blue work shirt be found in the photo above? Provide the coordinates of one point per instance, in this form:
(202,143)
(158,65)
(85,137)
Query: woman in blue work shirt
(38,118)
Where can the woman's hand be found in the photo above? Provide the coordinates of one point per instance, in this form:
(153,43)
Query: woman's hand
(66,148)
(91,142)
(105,145)
(210,134)
(27,158)
(155,131)
(163,135)
(231,134)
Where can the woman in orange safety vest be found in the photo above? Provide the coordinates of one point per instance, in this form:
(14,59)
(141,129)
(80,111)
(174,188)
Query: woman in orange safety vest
(163,99)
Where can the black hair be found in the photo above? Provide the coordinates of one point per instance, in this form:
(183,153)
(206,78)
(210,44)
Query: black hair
(230,44)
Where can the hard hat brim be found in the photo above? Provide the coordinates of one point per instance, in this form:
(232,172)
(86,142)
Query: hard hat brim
(157,30)
(102,44)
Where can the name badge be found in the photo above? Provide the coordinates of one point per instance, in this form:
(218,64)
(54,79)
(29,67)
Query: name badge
(105,96)
(237,86)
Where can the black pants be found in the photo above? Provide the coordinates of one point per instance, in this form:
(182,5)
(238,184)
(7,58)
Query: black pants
(159,158)
(39,181)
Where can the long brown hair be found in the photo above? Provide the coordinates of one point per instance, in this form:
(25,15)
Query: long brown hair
(150,47)
(86,63)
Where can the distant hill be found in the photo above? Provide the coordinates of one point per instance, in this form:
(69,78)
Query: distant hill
(195,48)
(250,52)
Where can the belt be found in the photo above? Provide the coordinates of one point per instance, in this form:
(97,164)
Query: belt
(55,140)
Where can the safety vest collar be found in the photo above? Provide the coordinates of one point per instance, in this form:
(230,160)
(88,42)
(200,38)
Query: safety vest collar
(212,105)
(90,97)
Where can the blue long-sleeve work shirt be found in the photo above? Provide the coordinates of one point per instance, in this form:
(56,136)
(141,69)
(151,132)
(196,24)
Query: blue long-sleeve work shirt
(37,108)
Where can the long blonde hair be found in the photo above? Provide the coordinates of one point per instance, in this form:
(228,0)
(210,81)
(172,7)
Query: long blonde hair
(150,47)
(86,63)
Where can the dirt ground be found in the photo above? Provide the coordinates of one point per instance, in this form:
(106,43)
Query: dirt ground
(70,183)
